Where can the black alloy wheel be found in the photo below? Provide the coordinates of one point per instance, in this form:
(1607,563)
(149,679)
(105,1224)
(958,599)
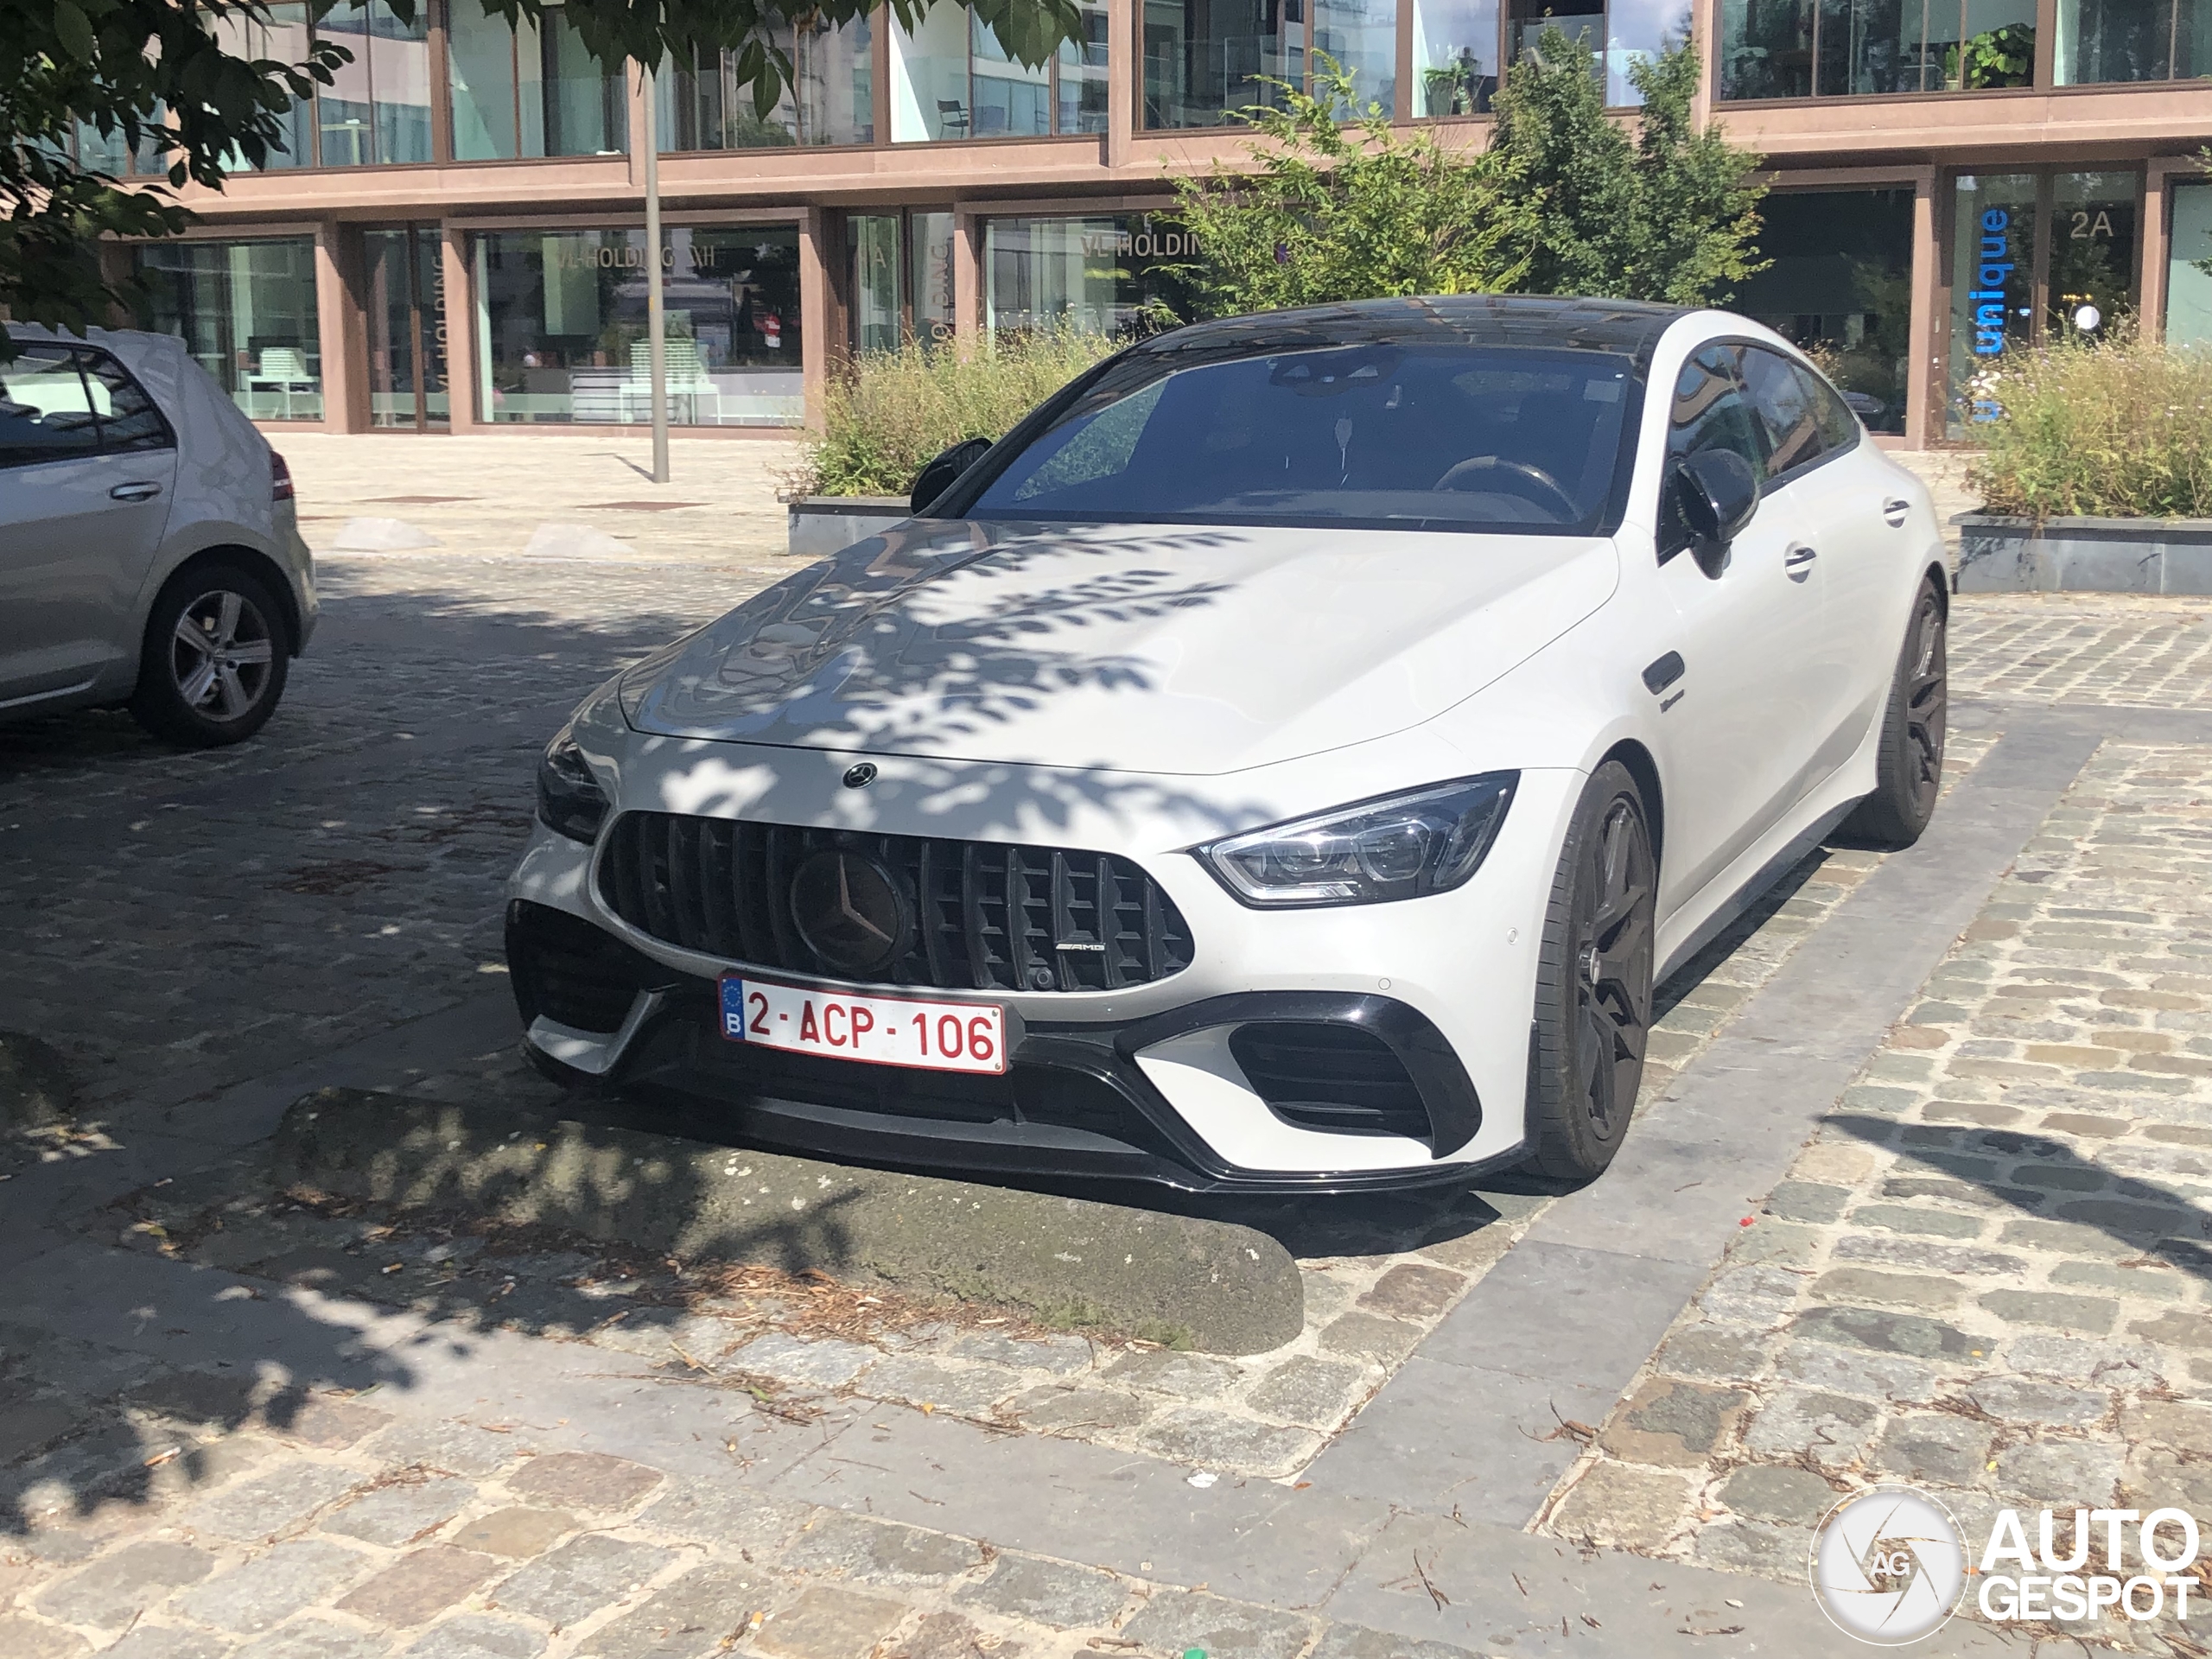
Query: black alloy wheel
(1593,983)
(1909,766)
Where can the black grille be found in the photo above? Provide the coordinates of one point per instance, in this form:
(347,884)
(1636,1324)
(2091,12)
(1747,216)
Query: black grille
(992,917)
(571,972)
(1334,1077)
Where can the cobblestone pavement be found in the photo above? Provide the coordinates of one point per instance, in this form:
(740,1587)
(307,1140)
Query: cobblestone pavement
(272,904)
(2091,648)
(1986,1276)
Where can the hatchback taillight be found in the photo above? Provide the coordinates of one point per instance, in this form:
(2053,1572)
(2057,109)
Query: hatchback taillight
(280,477)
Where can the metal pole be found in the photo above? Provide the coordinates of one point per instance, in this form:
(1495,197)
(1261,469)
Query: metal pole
(656,319)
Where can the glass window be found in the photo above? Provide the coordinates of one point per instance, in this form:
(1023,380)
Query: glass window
(1362,36)
(1992,286)
(704,107)
(836,84)
(129,420)
(1839,288)
(2102,41)
(246,312)
(106,152)
(1637,31)
(407,332)
(46,410)
(830,100)
(1786,407)
(2092,250)
(281,35)
(1081,75)
(929,78)
(1847,48)
(377,111)
(1578,20)
(1462,437)
(1455,57)
(931,286)
(561,316)
(878,314)
(1096,274)
(956,79)
(1012,99)
(1204,60)
(2189,280)
(1712,411)
(529,90)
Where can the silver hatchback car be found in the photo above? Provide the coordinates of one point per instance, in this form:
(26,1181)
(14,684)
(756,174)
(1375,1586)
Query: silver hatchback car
(149,550)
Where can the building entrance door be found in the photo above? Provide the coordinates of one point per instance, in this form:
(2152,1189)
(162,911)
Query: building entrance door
(407,329)
(901,279)
(2035,256)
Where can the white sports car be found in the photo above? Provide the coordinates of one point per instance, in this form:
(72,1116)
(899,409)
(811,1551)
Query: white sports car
(1283,763)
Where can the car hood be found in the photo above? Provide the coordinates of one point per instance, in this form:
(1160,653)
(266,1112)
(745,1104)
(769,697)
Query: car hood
(1167,649)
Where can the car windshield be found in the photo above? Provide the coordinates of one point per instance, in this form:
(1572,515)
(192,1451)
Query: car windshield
(1441,436)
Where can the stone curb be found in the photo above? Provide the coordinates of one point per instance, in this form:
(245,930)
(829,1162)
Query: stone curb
(1210,1285)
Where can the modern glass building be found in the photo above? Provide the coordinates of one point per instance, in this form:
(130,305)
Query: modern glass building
(453,239)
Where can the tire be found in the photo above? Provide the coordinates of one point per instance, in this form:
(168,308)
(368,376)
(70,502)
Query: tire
(1594,982)
(215,658)
(1908,765)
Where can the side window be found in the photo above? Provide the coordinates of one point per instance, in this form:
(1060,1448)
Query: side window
(128,418)
(1789,406)
(1711,410)
(46,410)
(1838,426)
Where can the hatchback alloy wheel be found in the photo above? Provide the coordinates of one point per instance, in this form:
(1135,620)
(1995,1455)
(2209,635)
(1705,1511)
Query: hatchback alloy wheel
(221,655)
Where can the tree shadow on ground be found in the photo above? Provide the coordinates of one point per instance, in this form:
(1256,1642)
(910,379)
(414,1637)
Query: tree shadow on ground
(2044,1177)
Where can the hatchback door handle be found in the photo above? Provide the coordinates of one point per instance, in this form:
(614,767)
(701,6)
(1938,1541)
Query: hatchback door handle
(1896,512)
(1798,561)
(144,490)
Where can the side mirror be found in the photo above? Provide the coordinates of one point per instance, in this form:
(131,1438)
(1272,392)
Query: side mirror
(940,475)
(1717,492)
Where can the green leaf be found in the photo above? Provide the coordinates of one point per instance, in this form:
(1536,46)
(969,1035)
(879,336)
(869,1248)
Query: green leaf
(74,31)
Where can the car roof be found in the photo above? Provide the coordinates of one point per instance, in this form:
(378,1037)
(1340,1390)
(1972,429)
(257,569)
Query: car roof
(133,345)
(1628,327)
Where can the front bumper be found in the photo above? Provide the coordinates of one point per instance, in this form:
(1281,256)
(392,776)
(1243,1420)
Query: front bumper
(1083,1099)
(1441,986)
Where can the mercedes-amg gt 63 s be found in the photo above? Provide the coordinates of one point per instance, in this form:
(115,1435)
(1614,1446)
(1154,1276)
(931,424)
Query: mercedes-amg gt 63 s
(1284,762)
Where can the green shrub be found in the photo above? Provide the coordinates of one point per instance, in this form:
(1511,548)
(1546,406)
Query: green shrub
(2121,430)
(889,412)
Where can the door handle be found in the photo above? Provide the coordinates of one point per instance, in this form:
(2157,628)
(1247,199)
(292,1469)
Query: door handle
(1797,564)
(1896,512)
(144,490)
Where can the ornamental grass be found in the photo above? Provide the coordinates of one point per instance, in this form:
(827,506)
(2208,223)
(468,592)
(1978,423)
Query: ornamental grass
(2121,429)
(889,412)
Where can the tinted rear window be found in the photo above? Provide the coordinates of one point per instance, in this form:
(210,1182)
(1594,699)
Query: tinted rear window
(1469,438)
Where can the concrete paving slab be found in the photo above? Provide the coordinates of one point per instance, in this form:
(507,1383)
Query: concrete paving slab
(1564,1313)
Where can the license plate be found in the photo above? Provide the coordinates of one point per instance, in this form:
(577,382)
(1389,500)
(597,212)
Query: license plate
(878,1030)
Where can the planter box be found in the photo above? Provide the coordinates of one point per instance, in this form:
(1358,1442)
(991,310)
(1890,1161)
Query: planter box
(822,525)
(2096,555)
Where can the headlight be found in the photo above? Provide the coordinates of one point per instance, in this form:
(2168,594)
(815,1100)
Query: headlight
(569,800)
(1400,846)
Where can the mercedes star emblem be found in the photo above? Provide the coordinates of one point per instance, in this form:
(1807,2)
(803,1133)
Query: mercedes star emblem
(851,910)
(862,776)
